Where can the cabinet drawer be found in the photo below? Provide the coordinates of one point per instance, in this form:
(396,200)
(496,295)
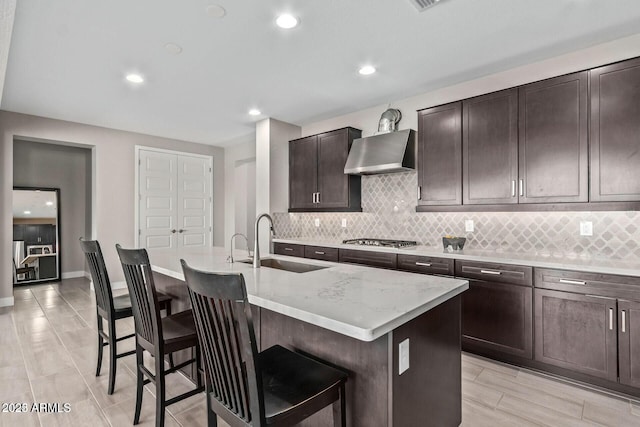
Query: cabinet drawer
(321,252)
(374,259)
(288,249)
(608,285)
(499,273)
(425,264)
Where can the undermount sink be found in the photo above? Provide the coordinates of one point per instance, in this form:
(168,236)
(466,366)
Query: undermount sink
(294,267)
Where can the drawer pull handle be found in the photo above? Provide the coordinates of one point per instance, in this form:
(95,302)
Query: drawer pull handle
(319,253)
(495,273)
(611,319)
(573,282)
(624,321)
(288,249)
(424,264)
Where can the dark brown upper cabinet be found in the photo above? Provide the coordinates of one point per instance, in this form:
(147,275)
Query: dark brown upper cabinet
(317,182)
(440,155)
(553,142)
(490,148)
(615,132)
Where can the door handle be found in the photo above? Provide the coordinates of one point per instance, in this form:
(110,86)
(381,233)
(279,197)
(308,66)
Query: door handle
(611,319)
(319,253)
(424,264)
(181,231)
(313,200)
(522,187)
(624,321)
(495,273)
(173,231)
(573,282)
(288,249)
(513,188)
(318,197)
(419,192)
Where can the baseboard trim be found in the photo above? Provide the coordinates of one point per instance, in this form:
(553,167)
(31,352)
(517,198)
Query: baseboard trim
(73,274)
(7,302)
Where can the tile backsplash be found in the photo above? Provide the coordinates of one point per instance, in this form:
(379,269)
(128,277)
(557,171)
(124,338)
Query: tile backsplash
(389,201)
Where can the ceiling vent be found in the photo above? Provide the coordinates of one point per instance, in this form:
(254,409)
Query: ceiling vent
(423,5)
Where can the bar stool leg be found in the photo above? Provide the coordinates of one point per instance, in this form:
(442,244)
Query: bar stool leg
(100,343)
(340,409)
(113,355)
(139,383)
(160,391)
(212,418)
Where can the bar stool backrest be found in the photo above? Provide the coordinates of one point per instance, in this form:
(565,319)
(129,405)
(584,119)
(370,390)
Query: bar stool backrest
(99,276)
(144,299)
(225,330)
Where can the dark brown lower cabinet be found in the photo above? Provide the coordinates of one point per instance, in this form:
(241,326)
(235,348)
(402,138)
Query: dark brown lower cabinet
(373,259)
(629,342)
(576,332)
(497,317)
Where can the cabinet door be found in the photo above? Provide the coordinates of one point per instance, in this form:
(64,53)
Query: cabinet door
(615,132)
(553,140)
(18,232)
(303,172)
(333,184)
(497,316)
(490,148)
(32,234)
(576,332)
(629,342)
(440,155)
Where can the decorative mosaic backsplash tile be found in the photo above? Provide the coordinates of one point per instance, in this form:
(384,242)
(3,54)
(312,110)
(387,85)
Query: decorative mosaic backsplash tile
(388,202)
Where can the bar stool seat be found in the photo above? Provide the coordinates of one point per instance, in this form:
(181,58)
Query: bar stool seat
(122,305)
(291,380)
(179,330)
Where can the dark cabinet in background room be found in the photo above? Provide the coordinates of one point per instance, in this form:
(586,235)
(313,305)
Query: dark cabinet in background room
(615,132)
(439,155)
(317,181)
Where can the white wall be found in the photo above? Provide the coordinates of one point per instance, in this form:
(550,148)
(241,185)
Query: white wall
(367,119)
(114,181)
(238,151)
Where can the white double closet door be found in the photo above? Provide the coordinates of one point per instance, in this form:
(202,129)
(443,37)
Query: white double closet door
(175,198)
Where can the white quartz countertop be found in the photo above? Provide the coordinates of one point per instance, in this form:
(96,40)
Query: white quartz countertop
(541,260)
(357,301)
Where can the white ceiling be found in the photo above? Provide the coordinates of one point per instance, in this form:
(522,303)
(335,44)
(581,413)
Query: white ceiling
(68,58)
(34,202)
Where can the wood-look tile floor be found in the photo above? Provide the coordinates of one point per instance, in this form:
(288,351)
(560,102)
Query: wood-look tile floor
(48,353)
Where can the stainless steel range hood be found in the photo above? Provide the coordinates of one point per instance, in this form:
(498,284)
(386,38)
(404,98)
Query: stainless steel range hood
(388,152)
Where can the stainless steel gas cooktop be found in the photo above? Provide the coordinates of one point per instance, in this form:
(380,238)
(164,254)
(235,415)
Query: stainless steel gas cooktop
(380,242)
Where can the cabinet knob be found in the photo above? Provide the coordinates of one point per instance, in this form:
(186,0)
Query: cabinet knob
(173,231)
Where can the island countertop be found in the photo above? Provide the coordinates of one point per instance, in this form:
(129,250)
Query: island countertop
(357,301)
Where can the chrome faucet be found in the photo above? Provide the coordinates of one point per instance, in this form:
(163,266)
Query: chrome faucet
(256,246)
(230,257)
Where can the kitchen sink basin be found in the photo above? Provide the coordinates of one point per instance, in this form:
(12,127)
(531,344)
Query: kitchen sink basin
(294,267)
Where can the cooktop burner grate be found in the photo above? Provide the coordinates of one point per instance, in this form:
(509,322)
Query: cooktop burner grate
(380,242)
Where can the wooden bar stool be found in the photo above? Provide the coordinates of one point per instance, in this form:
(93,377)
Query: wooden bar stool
(275,387)
(110,308)
(159,336)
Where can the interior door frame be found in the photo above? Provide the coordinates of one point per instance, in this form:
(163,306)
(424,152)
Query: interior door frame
(136,191)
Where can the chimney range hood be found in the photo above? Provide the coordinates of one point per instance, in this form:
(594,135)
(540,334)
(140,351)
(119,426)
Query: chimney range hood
(387,152)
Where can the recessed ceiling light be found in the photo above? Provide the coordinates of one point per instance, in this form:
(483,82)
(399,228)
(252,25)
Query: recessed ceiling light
(135,78)
(49,203)
(173,48)
(287,21)
(216,11)
(254,112)
(27,212)
(367,70)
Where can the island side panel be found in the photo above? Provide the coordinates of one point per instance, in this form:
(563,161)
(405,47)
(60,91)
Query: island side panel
(429,392)
(366,362)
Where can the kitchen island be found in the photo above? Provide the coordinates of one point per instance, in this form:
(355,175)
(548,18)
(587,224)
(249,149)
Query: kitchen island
(353,317)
